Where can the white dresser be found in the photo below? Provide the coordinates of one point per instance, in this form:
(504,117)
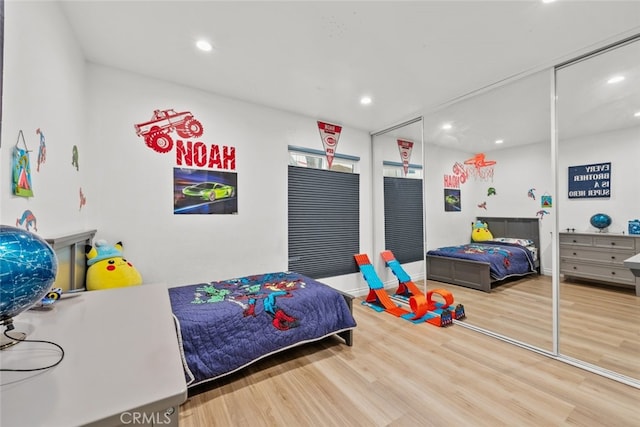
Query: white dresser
(122,362)
(599,257)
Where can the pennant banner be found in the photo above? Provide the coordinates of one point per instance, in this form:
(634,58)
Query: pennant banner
(330,135)
(405,148)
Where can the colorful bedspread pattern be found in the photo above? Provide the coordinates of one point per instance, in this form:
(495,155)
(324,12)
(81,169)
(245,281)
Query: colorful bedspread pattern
(505,259)
(224,326)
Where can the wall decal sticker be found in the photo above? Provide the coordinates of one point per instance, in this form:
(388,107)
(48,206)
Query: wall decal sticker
(156,132)
(459,176)
(546,201)
(479,167)
(74,157)
(491,191)
(483,205)
(330,134)
(541,213)
(531,194)
(27,221)
(83,199)
(198,154)
(42,150)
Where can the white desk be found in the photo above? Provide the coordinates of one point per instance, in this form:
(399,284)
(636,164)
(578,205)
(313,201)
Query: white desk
(121,362)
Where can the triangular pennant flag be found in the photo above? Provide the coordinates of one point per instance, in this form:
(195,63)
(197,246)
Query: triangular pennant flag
(330,135)
(405,148)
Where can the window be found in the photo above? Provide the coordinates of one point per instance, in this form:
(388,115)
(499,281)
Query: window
(324,221)
(395,169)
(310,158)
(403,218)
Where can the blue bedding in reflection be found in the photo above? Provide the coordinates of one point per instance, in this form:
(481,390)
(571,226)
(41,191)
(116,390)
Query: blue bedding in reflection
(505,259)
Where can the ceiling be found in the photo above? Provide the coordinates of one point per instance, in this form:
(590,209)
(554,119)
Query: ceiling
(319,58)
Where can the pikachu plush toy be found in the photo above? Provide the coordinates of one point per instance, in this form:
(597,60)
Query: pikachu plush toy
(480,232)
(107,268)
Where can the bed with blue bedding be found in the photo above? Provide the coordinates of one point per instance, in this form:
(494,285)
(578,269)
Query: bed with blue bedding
(224,326)
(483,264)
(505,259)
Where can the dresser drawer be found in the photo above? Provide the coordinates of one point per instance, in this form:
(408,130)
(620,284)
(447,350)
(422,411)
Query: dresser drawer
(578,253)
(595,272)
(618,242)
(576,239)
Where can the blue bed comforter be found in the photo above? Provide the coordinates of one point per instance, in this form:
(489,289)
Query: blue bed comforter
(227,325)
(504,259)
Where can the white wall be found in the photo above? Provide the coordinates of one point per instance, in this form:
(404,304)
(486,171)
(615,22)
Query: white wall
(622,149)
(44,87)
(129,187)
(446,228)
(133,191)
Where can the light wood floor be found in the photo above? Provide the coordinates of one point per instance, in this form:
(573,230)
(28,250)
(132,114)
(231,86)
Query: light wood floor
(598,324)
(401,374)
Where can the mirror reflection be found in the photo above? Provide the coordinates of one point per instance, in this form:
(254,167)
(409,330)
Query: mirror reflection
(398,200)
(488,167)
(598,125)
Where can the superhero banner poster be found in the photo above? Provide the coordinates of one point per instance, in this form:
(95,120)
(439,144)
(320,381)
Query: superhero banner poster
(330,135)
(199,191)
(21,169)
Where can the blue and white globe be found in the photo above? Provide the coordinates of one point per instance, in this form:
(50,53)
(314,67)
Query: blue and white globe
(600,221)
(28,268)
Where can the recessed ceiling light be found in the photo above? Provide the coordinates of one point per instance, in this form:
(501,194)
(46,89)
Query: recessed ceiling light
(615,79)
(637,114)
(365,100)
(446,126)
(499,141)
(204,45)
(548,1)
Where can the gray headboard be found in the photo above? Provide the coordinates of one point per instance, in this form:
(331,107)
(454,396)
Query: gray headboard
(524,228)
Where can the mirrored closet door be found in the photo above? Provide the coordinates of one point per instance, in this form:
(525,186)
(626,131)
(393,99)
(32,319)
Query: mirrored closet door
(398,199)
(492,151)
(598,174)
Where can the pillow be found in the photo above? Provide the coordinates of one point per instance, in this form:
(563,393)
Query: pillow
(480,232)
(514,240)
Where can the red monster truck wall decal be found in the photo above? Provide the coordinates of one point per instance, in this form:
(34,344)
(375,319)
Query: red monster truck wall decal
(156,131)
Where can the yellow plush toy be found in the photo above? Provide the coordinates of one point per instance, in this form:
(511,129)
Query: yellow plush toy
(107,269)
(480,232)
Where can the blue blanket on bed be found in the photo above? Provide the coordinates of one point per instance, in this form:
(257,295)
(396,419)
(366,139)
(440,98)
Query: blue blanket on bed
(504,259)
(227,325)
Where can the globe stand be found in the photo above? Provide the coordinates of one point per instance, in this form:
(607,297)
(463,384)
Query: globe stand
(12,339)
(7,342)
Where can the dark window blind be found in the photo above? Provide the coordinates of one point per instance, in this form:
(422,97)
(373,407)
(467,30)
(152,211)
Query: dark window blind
(324,221)
(403,215)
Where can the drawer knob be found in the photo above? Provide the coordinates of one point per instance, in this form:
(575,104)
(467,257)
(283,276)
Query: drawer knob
(575,268)
(613,257)
(613,243)
(613,273)
(574,254)
(574,241)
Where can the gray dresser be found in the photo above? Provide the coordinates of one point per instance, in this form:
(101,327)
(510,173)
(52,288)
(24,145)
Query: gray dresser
(599,257)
